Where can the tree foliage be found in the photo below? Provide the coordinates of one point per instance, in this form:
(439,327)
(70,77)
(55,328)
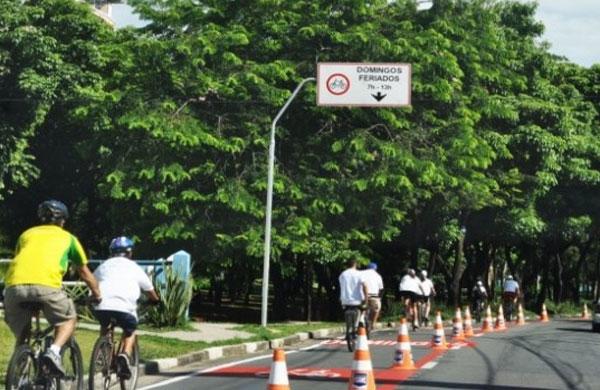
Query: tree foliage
(163,132)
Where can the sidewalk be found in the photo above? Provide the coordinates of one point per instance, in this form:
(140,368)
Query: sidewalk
(203,331)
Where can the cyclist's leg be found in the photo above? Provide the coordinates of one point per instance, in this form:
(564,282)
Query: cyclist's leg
(16,317)
(129,325)
(59,310)
(415,310)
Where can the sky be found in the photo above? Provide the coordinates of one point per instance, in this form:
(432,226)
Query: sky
(572,27)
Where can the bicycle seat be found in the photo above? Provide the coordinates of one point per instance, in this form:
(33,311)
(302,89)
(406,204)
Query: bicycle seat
(34,306)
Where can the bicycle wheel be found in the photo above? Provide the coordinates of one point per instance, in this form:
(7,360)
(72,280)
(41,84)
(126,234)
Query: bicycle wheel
(134,364)
(22,369)
(350,317)
(73,366)
(100,365)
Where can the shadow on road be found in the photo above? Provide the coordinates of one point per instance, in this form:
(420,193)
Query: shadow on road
(575,330)
(457,385)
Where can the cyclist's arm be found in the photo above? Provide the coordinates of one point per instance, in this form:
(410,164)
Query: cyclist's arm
(365,291)
(86,275)
(152,295)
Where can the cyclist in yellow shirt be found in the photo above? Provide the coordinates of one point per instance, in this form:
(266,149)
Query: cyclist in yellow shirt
(35,275)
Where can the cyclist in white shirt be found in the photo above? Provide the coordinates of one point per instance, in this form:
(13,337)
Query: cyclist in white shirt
(428,292)
(374,292)
(510,294)
(410,290)
(353,289)
(120,280)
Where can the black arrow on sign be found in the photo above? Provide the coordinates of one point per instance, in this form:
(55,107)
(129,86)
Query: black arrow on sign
(379,97)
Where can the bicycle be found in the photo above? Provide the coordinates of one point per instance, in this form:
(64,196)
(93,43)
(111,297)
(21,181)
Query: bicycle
(104,369)
(27,370)
(355,318)
(478,308)
(508,301)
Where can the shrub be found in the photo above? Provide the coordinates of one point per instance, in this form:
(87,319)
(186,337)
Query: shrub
(175,296)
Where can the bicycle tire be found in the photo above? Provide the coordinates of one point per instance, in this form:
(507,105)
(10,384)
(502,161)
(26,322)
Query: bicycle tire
(100,371)
(73,365)
(350,318)
(134,364)
(22,360)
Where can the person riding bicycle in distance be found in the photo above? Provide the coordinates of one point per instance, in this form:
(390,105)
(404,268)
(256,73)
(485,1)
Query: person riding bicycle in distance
(35,276)
(510,291)
(479,296)
(353,289)
(121,280)
(410,290)
(374,284)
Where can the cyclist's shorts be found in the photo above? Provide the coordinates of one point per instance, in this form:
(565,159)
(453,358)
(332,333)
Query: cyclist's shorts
(409,294)
(56,305)
(124,320)
(374,303)
(509,295)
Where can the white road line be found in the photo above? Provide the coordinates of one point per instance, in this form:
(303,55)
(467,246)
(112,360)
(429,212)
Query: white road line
(429,366)
(216,368)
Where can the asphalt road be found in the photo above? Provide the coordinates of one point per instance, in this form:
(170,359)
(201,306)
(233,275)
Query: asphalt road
(558,355)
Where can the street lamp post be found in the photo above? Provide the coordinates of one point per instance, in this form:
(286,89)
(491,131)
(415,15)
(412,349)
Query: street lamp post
(269,209)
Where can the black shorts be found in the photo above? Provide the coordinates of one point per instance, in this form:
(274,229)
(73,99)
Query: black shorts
(124,320)
(409,294)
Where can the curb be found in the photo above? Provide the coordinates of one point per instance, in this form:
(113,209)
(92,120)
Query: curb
(157,366)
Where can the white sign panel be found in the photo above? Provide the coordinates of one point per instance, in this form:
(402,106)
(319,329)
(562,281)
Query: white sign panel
(363,84)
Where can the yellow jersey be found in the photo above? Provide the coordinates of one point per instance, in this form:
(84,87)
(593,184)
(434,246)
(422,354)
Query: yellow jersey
(42,256)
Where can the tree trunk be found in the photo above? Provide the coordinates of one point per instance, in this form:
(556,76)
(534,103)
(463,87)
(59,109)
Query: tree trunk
(545,278)
(558,282)
(458,270)
(308,289)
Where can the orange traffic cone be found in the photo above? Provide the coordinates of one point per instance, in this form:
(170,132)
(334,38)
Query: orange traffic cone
(278,378)
(403,357)
(439,338)
(500,322)
(585,315)
(468,323)
(520,315)
(544,315)
(458,333)
(486,325)
(361,377)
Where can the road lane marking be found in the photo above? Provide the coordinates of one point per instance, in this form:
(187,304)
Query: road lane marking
(429,366)
(220,367)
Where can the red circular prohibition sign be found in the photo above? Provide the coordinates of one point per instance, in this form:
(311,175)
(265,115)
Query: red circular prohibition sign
(343,87)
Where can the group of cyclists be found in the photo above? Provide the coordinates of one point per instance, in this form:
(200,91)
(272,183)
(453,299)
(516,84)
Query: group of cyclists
(363,290)
(42,256)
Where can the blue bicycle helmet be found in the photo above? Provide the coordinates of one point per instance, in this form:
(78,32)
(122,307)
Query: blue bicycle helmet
(121,246)
(52,211)
(372,265)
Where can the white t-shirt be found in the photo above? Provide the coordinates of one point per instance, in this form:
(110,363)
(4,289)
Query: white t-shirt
(411,283)
(120,281)
(351,290)
(427,286)
(511,286)
(373,281)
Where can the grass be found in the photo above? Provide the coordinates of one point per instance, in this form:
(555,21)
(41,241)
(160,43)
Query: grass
(278,330)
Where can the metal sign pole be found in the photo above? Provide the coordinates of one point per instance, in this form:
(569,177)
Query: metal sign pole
(267,249)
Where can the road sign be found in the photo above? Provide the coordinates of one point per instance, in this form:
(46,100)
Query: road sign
(363,84)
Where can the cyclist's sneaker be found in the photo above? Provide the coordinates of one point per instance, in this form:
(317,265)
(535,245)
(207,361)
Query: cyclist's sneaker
(53,362)
(124,368)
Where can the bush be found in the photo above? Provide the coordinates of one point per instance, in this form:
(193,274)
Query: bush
(175,296)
